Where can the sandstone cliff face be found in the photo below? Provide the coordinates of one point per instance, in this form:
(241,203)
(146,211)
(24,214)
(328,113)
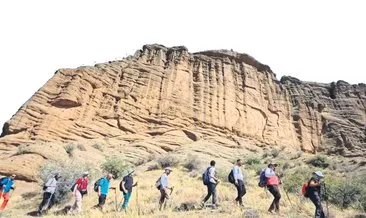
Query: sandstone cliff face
(211,93)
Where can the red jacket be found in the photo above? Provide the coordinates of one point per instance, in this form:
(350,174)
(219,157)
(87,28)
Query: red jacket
(82,184)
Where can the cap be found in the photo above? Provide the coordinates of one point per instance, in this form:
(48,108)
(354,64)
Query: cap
(272,164)
(318,173)
(168,168)
(86,173)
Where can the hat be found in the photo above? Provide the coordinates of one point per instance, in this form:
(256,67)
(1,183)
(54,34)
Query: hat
(272,164)
(168,168)
(318,173)
(86,173)
(130,170)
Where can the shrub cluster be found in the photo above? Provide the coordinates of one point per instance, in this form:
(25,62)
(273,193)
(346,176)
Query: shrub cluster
(114,165)
(167,161)
(192,163)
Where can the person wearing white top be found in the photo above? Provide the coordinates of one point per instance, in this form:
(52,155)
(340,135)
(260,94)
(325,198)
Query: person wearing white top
(211,186)
(164,186)
(239,182)
(49,194)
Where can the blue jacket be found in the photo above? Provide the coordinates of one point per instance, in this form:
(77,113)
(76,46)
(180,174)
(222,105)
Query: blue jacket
(104,186)
(7,184)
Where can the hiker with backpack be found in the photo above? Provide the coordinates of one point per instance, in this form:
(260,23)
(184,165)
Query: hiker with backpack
(102,187)
(126,186)
(210,180)
(49,194)
(163,185)
(6,186)
(313,191)
(239,182)
(79,189)
(273,181)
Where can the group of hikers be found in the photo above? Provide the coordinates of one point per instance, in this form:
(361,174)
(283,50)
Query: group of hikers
(269,179)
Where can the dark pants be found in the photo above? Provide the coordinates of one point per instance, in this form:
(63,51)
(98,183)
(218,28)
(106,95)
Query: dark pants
(101,201)
(315,198)
(47,202)
(273,189)
(241,191)
(164,197)
(211,190)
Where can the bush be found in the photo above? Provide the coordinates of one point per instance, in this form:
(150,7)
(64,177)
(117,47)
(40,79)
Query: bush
(153,167)
(293,179)
(22,149)
(98,146)
(253,161)
(114,165)
(192,163)
(81,147)
(344,192)
(318,161)
(70,149)
(167,161)
(69,171)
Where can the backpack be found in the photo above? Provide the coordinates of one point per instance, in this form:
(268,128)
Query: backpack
(230,177)
(120,186)
(158,183)
(262,179)
(97,184)
(1,182)
(206,176)
(304,189)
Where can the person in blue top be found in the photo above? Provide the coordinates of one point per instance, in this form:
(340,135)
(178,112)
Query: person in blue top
(6,185)
(103,189)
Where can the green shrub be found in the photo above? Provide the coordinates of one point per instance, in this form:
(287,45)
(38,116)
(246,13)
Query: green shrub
(81,147)
(344,192)
(252,161)
(70,149)
(167,161)
(318,161)
(114,165)
(293,179)
(98,146)
(152,167)
(22,149)
(69,171)
(192,163)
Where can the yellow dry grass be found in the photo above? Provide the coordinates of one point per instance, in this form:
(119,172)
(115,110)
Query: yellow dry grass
(144,200)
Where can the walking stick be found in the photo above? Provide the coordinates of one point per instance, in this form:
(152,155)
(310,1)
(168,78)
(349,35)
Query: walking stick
(326,199)
(137,200)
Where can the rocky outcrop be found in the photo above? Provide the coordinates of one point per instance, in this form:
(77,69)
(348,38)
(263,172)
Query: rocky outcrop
(211,93)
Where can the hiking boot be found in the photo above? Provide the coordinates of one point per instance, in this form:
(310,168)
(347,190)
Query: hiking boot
(202,204)
(214,206)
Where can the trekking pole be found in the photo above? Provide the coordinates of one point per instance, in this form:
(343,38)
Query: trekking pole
(137,200)
(115,199)
(326,199)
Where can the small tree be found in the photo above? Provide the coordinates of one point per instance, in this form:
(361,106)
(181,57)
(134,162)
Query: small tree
(69,173)
(167,161)
(114,165)
(192,162)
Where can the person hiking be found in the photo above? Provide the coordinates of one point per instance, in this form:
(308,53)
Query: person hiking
(273,181)
(239,182)
(79,189)
(6,185)
(126,188)
(103,189)
(164,187)
(49,194)
(211,185)
(313,191)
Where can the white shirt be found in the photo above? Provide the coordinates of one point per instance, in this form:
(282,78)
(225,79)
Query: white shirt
(51,185)
(164,181)
(269,173)
(238,175)
(211,174)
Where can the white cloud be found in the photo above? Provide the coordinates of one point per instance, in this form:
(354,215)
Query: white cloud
(312,40)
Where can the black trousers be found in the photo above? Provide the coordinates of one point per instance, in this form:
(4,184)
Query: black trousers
(273,189)
(241,191)
(315,198)
(211,190)
(101,201)
(47,202)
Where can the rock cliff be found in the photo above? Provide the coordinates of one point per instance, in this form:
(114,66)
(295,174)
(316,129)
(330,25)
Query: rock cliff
(205,94)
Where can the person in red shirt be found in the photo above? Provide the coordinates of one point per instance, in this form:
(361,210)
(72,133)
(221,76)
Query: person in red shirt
(79,190)
(273,181)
